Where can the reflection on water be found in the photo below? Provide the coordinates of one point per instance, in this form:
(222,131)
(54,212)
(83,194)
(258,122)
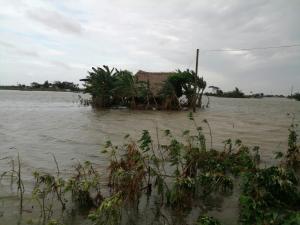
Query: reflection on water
(36,124)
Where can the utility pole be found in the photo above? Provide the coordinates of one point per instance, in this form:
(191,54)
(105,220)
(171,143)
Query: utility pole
(197,57)
(194,97)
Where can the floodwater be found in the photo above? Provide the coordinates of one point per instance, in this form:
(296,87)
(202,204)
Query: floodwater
(37,124)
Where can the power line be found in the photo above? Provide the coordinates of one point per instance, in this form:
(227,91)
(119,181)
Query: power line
(251,49)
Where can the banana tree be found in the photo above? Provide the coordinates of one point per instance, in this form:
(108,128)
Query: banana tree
(187,83)
(126,87)
(100,83)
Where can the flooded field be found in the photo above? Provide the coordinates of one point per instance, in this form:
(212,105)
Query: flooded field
(36,124)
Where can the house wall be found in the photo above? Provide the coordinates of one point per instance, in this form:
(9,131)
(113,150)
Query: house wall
(156,80)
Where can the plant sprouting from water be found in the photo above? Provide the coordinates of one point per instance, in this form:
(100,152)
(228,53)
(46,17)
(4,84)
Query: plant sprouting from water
(15,175)
(178,174)
(109,212)
(84,186)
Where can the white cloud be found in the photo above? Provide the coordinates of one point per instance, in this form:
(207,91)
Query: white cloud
(68,37)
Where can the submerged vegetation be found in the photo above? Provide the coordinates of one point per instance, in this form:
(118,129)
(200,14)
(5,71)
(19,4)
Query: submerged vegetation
(112,87)
(173,178)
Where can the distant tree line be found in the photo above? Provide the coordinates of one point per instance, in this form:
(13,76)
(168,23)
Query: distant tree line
(236,93)
(55,86)
(112,87)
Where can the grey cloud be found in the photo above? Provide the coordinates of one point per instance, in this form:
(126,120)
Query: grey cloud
(19,50)
(55,21)
(34,54)
(60,64)
(163,35)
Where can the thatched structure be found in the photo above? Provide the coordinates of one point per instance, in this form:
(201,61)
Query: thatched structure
(155,79)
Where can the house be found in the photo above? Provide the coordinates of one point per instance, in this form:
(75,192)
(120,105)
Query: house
(155,79)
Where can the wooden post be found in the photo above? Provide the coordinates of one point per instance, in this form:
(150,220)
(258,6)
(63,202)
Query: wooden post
(197,57)
(194,97)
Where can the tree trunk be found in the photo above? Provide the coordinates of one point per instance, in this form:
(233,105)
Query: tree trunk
(98,101)
(148,103)
(132,103)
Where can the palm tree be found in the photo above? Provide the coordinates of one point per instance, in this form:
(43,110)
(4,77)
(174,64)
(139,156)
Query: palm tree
(99,83)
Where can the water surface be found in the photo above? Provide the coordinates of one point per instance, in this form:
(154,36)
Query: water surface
(36,124)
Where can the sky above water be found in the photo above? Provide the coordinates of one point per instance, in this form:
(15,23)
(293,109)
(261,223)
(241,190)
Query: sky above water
(62,39)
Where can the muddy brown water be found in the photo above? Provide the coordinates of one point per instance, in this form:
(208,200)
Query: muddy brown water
(37,124)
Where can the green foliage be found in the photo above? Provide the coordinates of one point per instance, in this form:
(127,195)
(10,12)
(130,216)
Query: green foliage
(278,155)
(180,194)
(109,212)
(46,188)
(181,81)
(167,133)
(100,84)
(296,96)
(241,160)
(128,172)
(175,153)
(207,220)
(168,96)
(269,196)
(16,175)
(110,87)
(145,141)
(113,87)
(236,93)
(194,171)
(56,85)
(85,186)
(54,222)
(210,182)
(178,176)
(184,83)
(64,85)
(293,152)
(127,88)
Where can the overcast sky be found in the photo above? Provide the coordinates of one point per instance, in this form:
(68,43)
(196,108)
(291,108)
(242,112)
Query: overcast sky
(62,39)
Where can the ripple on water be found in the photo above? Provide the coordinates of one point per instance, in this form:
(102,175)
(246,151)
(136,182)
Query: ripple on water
(35,124)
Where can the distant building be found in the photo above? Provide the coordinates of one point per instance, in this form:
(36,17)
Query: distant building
(155,79)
